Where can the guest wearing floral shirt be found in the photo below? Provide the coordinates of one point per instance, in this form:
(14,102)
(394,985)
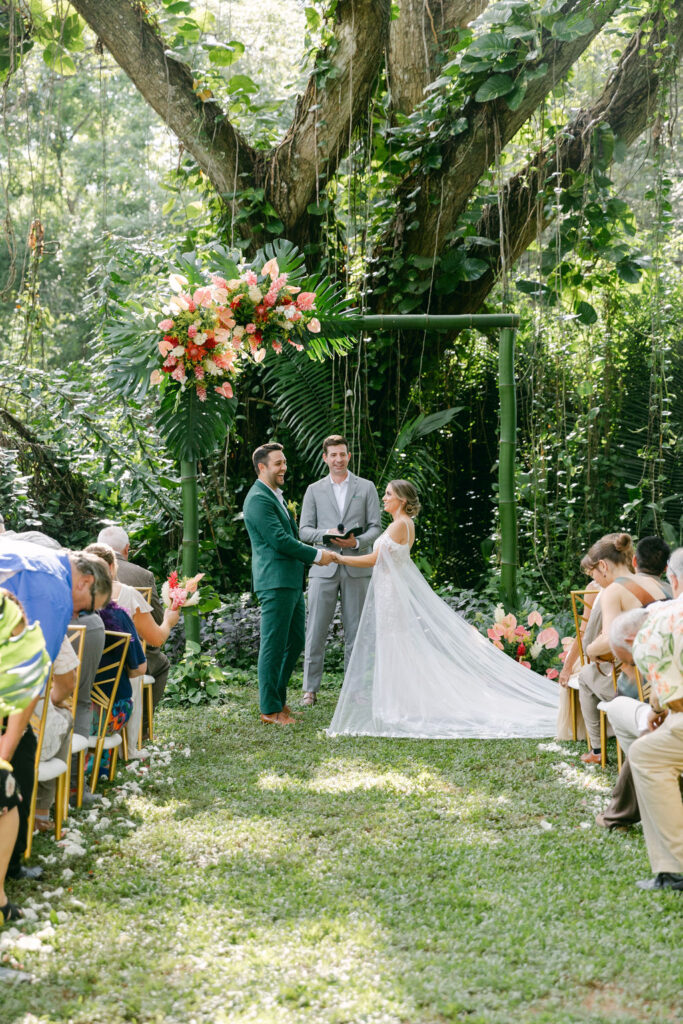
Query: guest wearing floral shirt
(657,757)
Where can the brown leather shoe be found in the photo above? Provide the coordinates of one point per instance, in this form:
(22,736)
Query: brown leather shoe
(309,698)
(591,758)
(278,718)
(288,711)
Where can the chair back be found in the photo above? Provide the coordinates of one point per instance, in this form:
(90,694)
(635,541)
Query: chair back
(109,675)
(643,687)
(578,608)
(38,722)
(76,637)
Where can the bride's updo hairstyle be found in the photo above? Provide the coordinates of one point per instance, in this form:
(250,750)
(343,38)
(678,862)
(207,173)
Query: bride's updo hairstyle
(616,548)
(405,492)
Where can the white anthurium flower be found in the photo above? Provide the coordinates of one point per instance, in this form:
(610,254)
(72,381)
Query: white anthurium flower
(178,303)
(254,293)
(200,338)
(177,282)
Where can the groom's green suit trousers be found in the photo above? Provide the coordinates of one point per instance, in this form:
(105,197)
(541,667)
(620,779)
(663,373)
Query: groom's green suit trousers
(278,563)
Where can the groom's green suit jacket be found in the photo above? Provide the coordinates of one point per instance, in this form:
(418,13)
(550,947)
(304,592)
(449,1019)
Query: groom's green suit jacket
(278,558)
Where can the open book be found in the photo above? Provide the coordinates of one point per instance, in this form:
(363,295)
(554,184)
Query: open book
(336,534)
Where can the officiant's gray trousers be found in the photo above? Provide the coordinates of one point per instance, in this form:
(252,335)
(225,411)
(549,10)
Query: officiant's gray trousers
(322,601)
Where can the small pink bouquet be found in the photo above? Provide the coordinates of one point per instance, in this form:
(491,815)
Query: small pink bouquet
(183,593)
(207,332)
(532,645)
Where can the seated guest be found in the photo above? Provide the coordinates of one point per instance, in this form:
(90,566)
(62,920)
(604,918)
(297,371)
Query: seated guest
(657,757)
(58,725)
(21,648)
(607,560)
(132,601)
(51,586)
(136,576)
(590,625)
(117,620)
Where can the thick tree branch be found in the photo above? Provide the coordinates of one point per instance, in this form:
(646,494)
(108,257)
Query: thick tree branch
(416,38)
(335,100)
(627,104)
(167,85)
(445,192)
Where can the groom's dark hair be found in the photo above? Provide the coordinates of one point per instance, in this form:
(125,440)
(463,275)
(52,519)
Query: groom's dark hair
(262,452)
(332,440)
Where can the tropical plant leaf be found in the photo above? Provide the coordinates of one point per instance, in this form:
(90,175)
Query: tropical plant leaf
(192,429)
(410,459)
(303,391)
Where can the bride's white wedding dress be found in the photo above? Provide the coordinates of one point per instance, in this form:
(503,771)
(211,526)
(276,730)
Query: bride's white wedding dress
(418,669)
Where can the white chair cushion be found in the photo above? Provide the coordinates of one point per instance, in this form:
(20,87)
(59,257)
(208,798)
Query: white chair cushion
(51,769)
(109,741)
(147,680)
(79,743)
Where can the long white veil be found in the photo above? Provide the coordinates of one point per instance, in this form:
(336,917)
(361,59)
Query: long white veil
(418,669)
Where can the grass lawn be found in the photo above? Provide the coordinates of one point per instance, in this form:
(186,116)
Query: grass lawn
(275,875)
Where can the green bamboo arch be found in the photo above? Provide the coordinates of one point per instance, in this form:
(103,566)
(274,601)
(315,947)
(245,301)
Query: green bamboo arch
(346,325)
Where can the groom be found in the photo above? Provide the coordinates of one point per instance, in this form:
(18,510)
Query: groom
(278,559)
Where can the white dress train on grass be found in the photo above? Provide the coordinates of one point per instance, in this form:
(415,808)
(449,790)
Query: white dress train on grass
(419,670)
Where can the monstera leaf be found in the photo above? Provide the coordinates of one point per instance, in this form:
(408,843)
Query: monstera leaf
(191,429)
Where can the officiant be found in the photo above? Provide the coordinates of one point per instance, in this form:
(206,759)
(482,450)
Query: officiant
(340,511)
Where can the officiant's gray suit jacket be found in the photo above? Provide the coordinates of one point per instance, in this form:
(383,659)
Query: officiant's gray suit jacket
(320,512)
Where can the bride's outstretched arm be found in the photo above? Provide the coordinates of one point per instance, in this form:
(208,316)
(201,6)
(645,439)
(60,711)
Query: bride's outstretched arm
(360,560)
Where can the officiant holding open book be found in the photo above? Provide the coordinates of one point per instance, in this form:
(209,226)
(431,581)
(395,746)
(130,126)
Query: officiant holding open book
(342,512)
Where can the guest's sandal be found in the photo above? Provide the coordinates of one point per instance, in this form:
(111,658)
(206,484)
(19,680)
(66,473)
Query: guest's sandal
(11,912)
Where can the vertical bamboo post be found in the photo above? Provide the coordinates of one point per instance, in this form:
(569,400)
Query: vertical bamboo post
(507,509)
(188,480)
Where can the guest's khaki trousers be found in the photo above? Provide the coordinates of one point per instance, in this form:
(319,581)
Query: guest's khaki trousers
(657,762)
(595,684)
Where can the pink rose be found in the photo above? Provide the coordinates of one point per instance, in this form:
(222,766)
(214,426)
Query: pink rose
(305,300)
(535,619)
(155,377)
(201,392)
(250,328)
(179,374)
(165,325)
(192,331)
(552,673)
(165,347)
(225,390)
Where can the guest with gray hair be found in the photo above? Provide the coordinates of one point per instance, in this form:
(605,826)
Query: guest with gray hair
(134,575)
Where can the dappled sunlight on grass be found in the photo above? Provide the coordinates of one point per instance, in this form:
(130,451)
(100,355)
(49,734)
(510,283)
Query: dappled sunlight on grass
(276,876)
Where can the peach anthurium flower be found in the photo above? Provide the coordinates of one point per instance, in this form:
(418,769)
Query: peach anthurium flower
(525,664)
(155,377)
(271,269)
(549,637)
(535,619)
(225,390)
(313,325)
(165,347)
(177,282)
(552,673)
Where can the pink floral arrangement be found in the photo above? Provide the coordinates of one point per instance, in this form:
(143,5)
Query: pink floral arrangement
(532,645)
(205,333)
(183,593)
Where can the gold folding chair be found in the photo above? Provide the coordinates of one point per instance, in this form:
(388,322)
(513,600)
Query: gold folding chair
(38,723)
(147,680)
(578,598)
(106,675)
(76,637)
(603,727)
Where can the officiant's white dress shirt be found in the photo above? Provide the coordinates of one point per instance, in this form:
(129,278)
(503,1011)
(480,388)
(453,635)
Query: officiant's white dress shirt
(340,491)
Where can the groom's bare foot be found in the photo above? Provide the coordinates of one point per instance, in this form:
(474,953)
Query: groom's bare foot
(279,718)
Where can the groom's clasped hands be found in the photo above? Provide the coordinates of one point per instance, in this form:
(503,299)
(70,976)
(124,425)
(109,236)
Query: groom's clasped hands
(328,556)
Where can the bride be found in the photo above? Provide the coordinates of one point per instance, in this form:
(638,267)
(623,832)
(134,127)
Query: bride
(418,669)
